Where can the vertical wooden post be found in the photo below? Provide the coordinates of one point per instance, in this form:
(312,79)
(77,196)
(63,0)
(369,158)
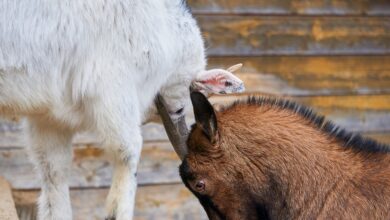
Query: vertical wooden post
(7,205)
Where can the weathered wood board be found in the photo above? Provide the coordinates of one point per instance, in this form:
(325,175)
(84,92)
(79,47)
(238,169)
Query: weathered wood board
(254,35)
(7,205)
(91,167)
(361,113)
(163,202)
(364,121)
(355,113)
(291,7)
(381,137)
(312,75)
(12,134)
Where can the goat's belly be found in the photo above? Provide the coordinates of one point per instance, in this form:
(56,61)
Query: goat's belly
(20,93)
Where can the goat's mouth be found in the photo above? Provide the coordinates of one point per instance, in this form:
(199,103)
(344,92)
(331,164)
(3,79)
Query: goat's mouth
(176,129)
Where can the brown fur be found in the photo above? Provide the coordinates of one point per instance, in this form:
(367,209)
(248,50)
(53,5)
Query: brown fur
(269,162)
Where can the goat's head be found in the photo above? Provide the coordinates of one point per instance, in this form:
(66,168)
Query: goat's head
(171,102)
(176,91)
(212,167)
(205,170)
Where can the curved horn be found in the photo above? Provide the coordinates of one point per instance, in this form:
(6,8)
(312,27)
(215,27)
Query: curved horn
(177,130)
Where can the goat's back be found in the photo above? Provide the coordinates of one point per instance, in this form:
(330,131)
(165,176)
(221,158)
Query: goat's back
(58,53)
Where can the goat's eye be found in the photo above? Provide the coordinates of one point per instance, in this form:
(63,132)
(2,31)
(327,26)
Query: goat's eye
(227,84)
(200,186)
(180,111)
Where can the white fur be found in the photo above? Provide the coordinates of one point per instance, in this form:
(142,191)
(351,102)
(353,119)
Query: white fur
(97,65)
(93,65)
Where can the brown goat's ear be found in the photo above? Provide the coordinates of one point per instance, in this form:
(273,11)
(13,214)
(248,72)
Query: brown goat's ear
(204,115)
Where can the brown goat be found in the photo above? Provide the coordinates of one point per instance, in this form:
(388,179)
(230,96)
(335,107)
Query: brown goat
(274,159)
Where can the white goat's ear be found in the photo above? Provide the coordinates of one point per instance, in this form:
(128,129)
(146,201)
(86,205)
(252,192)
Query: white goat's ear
(234,68)
(218,81)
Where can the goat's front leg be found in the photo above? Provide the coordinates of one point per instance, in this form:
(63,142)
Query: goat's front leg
(125,156)
(118,122)
(51,153)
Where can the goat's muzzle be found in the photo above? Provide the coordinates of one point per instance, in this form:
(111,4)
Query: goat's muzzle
(177,129)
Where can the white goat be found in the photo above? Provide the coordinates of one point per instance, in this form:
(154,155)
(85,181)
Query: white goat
(97,65)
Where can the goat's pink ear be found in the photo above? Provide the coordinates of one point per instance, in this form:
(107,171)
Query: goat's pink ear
(218,81)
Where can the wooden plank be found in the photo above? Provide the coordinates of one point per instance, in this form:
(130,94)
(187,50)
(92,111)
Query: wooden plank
(12,135)
(9,125)
(291,7)
(355,113)
(7,205)
(381,137)
(363,113)
(91,167)
(152,202)
(253,35)
(316,75)
(349,118)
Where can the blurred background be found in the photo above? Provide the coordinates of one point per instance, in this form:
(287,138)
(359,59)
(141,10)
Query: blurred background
(332,55)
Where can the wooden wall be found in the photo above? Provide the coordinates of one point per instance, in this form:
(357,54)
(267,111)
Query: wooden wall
(333,55)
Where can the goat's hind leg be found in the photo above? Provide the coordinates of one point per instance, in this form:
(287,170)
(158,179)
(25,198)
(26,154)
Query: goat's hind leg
(51,153)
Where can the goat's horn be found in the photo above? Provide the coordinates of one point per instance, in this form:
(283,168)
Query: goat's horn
(234,68)
(177,130)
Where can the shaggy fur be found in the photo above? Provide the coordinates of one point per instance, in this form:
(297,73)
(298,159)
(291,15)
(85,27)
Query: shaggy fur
(274,159)
(96,65)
